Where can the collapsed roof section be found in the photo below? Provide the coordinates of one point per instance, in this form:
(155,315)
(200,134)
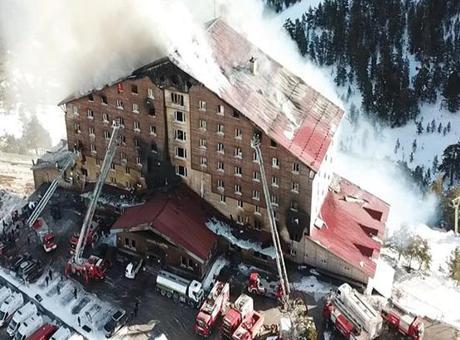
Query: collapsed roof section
(353,225)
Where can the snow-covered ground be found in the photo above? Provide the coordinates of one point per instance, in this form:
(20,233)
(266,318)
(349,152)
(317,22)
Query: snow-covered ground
(15,174)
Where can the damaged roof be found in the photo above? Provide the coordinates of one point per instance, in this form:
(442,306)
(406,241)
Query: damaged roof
(353,225)
(179,217)
(280,103)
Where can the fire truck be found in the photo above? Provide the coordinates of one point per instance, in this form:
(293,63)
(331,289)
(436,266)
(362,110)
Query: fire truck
(352,315)
(240,310)
(213,306)
(260,285)
(250,328)
(45,235)
(93,268)
(406,324)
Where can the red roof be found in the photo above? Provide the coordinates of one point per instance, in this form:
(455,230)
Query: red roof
(354,223)
(280,103)
(180,217)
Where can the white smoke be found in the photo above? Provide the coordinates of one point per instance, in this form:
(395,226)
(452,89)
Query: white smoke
(57,48)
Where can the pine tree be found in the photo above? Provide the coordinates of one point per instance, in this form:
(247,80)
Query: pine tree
(435,165)
(414,145)
(448,127)
(452,91)
(450,164)
(454,265)
(439,127)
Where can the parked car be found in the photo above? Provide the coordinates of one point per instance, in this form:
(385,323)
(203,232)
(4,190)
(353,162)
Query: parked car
(133,268)
(116,322)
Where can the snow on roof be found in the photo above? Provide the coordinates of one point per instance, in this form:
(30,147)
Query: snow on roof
(223,229)
(352,228)
(280,103)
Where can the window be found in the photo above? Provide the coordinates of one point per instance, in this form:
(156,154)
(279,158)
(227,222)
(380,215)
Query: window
(295,187)
(179,116)
(220,184)
(137,143)
(238,171)
(257,224)
(91,97)
(254,157)
(220,166)
(239,203)
(295,167)
(239,219)
(202,124)
(152,130)
(202,105)
(112,166)
(91,131)
(177,98)
(104,99)
(136,108)
(119,104)
(75,110)
(220,128)
(120,87)
(93,148)
(180,135)
(105,117)
(107,134)
(138,160)
(203,161)
(222,199)
(76,127)
(98,161)
(113,180)
(238,152)
(181,153)
(274,200)
(153,147)
(133,243)
(134,89)
(256,176)
(121,121)
(275,162)
(127,170)
(235,114)
(203,143)
(137,126)
(238,134)
(294,205)
(273,144)
(123,156)
(312,174)
(152,111)
(181,170)
(257,210)
(220,147)
(127,242)
(256,195)
(150,93)
(275,181)
(237,189)
(90,114)
(220,109)
(123,139)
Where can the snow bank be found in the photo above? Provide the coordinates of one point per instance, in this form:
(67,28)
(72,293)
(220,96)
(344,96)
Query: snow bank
(223,229)
(432,296)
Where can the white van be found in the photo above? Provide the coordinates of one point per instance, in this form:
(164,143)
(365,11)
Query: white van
(9,307)
(29,326)
(22,314)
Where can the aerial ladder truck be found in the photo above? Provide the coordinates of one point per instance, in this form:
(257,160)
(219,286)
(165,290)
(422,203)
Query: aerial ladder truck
(36,222)
(93,268)
(295,323)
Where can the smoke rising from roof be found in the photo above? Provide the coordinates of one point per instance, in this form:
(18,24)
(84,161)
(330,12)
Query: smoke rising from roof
(58,48)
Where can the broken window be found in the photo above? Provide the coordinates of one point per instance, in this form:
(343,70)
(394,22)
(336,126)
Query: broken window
(177,98)
(104,99)
(236,114)
(134,89)
(91,97)
(273,144)
(179,116)
(152,111)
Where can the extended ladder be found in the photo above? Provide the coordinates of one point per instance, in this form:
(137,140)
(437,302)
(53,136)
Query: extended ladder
(49,192)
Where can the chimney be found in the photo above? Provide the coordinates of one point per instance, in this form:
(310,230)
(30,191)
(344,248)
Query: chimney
(253,65)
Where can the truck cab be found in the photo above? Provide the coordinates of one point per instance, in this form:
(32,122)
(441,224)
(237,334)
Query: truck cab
(28,327)
(49,242)
(44,332)
(250,327)
(22,314)
(9,307)
(242,307)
